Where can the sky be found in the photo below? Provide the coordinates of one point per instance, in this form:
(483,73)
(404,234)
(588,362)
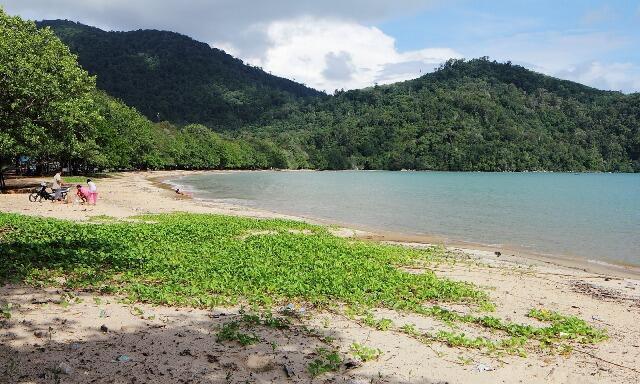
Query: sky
(347,44)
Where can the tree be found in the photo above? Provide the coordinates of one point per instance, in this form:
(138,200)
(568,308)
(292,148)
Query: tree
(46,109)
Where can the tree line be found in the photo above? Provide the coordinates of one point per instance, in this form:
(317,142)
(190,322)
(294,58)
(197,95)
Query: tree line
(51,112)
(475,115)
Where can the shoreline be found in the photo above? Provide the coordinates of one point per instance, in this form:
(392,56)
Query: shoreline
(58,327)
(510,253)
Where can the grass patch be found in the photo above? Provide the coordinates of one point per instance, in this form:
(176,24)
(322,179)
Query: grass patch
(379,324)
(365,353)
(5,310)
(211,260)
(82,179)
(75,179)
(231,332)
(555,338)
(203,261)
(327,361)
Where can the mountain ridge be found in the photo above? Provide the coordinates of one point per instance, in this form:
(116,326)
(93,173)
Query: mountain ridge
(469,115)
(170,76)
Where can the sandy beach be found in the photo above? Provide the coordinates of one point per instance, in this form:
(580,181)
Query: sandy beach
(45,341)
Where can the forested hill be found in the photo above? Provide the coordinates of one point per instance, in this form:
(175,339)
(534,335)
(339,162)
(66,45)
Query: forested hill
(168,76)
(476,115)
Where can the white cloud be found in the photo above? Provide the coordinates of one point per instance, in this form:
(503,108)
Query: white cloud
(331,54)
(553,50)
(331,44)
(568,55)
(324,44)
(623,77)
(240,22)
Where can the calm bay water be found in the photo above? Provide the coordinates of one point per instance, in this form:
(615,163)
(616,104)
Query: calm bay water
(594,216)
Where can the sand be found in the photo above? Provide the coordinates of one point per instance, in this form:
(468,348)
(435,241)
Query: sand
(56,336)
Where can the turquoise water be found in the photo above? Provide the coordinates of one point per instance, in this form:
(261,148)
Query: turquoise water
(594,216)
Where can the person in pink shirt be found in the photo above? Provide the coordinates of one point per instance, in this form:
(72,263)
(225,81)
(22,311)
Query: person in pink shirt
(83,193)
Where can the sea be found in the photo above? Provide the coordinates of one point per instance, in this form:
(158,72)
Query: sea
(590,216)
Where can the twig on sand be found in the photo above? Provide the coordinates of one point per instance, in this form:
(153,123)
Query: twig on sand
(606,361)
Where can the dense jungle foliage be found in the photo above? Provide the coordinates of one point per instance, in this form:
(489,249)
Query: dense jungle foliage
(168,76)
(52,113)
(476,115)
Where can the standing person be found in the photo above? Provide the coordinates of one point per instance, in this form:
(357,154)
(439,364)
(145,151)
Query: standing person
(93,192)
(56,186)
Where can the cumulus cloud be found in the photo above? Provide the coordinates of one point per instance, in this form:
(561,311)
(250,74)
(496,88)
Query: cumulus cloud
(338,66)
(334,54)
(325,44)
(333,44)
(239,22)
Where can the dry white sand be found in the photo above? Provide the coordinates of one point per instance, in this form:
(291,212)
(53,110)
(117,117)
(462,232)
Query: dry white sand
(47,341)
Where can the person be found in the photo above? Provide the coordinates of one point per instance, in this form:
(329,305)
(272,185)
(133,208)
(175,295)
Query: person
(93,192)
(56,186)
(83,193)
(179,192)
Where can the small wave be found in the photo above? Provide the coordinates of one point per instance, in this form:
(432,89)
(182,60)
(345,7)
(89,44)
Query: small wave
(605,264)
(183,187)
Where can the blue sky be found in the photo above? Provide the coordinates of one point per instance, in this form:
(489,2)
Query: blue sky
(566,38)
(334,44)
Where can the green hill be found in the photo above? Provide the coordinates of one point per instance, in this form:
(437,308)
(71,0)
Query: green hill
(168,76)
(476,115)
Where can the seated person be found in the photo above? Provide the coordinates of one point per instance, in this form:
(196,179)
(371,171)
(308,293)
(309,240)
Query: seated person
(83,193)
(57,185)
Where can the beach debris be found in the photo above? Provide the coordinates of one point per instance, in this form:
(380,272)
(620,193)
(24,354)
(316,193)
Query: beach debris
(65,368)
(123,359)
(352,364)
(600,292)
(39,334)
(497,253)
(74,346)
(103,314)
(287,371)
(291,310)
(480,367)
(104,328)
